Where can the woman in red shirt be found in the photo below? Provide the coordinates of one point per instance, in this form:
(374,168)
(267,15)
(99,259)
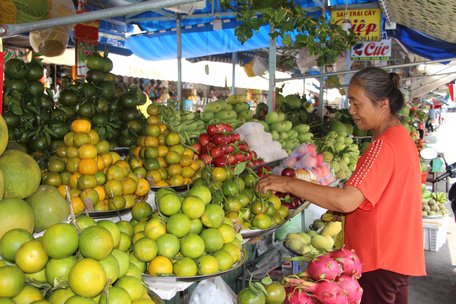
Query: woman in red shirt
(382,199)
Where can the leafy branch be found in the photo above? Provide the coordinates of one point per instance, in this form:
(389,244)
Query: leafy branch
(318,35)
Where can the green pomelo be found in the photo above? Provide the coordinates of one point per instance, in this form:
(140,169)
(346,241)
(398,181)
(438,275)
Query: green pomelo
(49,207)
(3,135)
(15,213)
(21,173)
(2,185)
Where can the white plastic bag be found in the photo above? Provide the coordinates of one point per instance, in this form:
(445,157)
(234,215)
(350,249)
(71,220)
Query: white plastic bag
(211,291)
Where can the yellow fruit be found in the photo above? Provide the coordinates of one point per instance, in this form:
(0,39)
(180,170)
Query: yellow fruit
(31,257)
(81,125)
(160,265)
(143,187)
(87,278)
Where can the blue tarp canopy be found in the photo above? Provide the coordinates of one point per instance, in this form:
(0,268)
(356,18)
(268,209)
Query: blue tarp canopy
(152,35)
(424,45)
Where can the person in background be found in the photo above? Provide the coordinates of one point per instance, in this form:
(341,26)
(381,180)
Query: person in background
(382,199)
(261,111)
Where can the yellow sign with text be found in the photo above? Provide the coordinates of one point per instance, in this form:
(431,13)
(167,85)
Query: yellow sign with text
(366,23)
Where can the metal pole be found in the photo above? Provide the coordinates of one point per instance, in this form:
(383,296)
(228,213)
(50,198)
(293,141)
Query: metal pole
(347,80)
(233,80)
(8,30)
(321,104)
(322,70)
(272,68)
(179,61)
(354,71)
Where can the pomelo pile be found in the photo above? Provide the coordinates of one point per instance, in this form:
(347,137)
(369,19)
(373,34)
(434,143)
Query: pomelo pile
(97,178)
(65,265)
(23,202)
(189,236)
(167,162)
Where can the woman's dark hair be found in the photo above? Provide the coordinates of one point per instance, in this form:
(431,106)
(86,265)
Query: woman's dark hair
(378,85)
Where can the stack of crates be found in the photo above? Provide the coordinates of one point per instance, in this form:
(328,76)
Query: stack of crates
(434,233)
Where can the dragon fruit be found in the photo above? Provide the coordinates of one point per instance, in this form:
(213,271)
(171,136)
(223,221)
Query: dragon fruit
(326,292)
(351,287)
(349,261)
(297,296)
(324,268)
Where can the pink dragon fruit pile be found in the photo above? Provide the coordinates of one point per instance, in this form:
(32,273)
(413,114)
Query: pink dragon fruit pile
(306,157)
(329,279)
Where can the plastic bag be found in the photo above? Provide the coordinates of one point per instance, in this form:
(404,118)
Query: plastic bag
(211,291)
(53,42)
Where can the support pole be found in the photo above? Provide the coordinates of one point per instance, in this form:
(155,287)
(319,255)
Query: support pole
(233,80)
(322,95)
(272,68)
(179,61)
(8,30)
(348,77)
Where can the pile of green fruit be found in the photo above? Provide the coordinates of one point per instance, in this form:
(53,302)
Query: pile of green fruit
(235,192)
(316,241)
(187,124)
(29,109)
(283,131)
(234,111)
(433,203)
(189,236)
(339,149)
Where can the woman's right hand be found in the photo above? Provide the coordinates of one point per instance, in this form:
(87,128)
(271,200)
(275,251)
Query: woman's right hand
(274,183)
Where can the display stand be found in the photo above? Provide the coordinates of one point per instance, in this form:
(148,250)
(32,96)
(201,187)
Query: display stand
(168,286)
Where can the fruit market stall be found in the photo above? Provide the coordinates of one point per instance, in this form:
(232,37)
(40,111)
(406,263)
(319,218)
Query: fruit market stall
(179,207)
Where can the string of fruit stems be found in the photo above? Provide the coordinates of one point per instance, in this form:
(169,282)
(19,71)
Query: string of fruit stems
(291,23)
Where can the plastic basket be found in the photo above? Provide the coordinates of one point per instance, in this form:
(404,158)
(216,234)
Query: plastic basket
(434,234)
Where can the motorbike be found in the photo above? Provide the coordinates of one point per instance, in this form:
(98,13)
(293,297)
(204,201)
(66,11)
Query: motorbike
(450,172)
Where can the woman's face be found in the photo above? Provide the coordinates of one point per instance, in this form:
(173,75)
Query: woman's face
(365,113)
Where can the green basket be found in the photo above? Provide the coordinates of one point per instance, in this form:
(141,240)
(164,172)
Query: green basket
(29,11)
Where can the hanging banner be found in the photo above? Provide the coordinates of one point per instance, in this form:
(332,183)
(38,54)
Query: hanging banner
(372,50)
(86,35)
(366,23)
(83,50)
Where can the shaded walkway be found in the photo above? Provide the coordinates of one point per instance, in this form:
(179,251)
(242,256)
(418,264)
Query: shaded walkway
(439,286)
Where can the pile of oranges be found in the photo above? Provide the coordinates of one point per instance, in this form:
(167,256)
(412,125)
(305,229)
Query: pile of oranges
(161,154)
(97,178)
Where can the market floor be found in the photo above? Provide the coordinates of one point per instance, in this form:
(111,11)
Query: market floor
(439,286)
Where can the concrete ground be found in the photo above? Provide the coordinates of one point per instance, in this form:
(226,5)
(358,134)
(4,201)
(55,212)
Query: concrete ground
(439,286)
